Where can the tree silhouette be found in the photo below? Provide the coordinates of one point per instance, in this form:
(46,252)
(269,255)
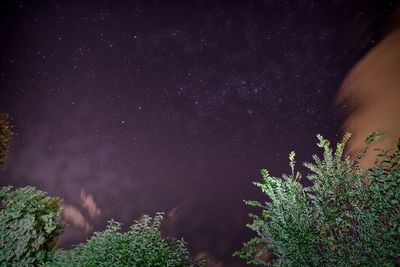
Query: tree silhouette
(5,137)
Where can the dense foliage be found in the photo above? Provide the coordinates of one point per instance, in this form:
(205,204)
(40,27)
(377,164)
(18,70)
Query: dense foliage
(29,226)
(5,136)
(349,216)
(141,246)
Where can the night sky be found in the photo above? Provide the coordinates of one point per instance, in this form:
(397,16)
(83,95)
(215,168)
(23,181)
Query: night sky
(125,108)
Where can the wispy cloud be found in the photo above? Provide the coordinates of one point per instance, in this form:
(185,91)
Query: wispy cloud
(76,218)
(88,202)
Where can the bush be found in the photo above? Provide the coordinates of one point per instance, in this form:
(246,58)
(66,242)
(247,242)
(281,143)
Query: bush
(348,217)
(29,226)
(141,246)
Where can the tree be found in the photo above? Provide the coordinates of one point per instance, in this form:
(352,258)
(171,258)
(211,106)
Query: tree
(349,216)
(6,134)
(141,246)
(29,226)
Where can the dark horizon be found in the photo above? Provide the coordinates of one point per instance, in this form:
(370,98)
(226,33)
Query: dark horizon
(127,108)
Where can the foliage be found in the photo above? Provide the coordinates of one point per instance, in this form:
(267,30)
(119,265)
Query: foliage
(348,217)
(29,226)
(5,136)
(141,246)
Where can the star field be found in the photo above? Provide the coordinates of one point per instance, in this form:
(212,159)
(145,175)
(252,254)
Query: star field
(154,106)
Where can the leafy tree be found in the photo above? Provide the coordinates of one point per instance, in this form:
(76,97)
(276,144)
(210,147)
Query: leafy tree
(5,136)
(141,246)
(29,226)
(349,216)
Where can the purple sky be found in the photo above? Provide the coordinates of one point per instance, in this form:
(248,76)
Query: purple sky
(173,106)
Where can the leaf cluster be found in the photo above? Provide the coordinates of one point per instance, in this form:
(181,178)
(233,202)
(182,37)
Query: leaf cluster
(141,246)
(349,216)
(29,226)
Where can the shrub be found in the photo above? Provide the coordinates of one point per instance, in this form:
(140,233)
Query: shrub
(141,246)
(29,226)
(349,216)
